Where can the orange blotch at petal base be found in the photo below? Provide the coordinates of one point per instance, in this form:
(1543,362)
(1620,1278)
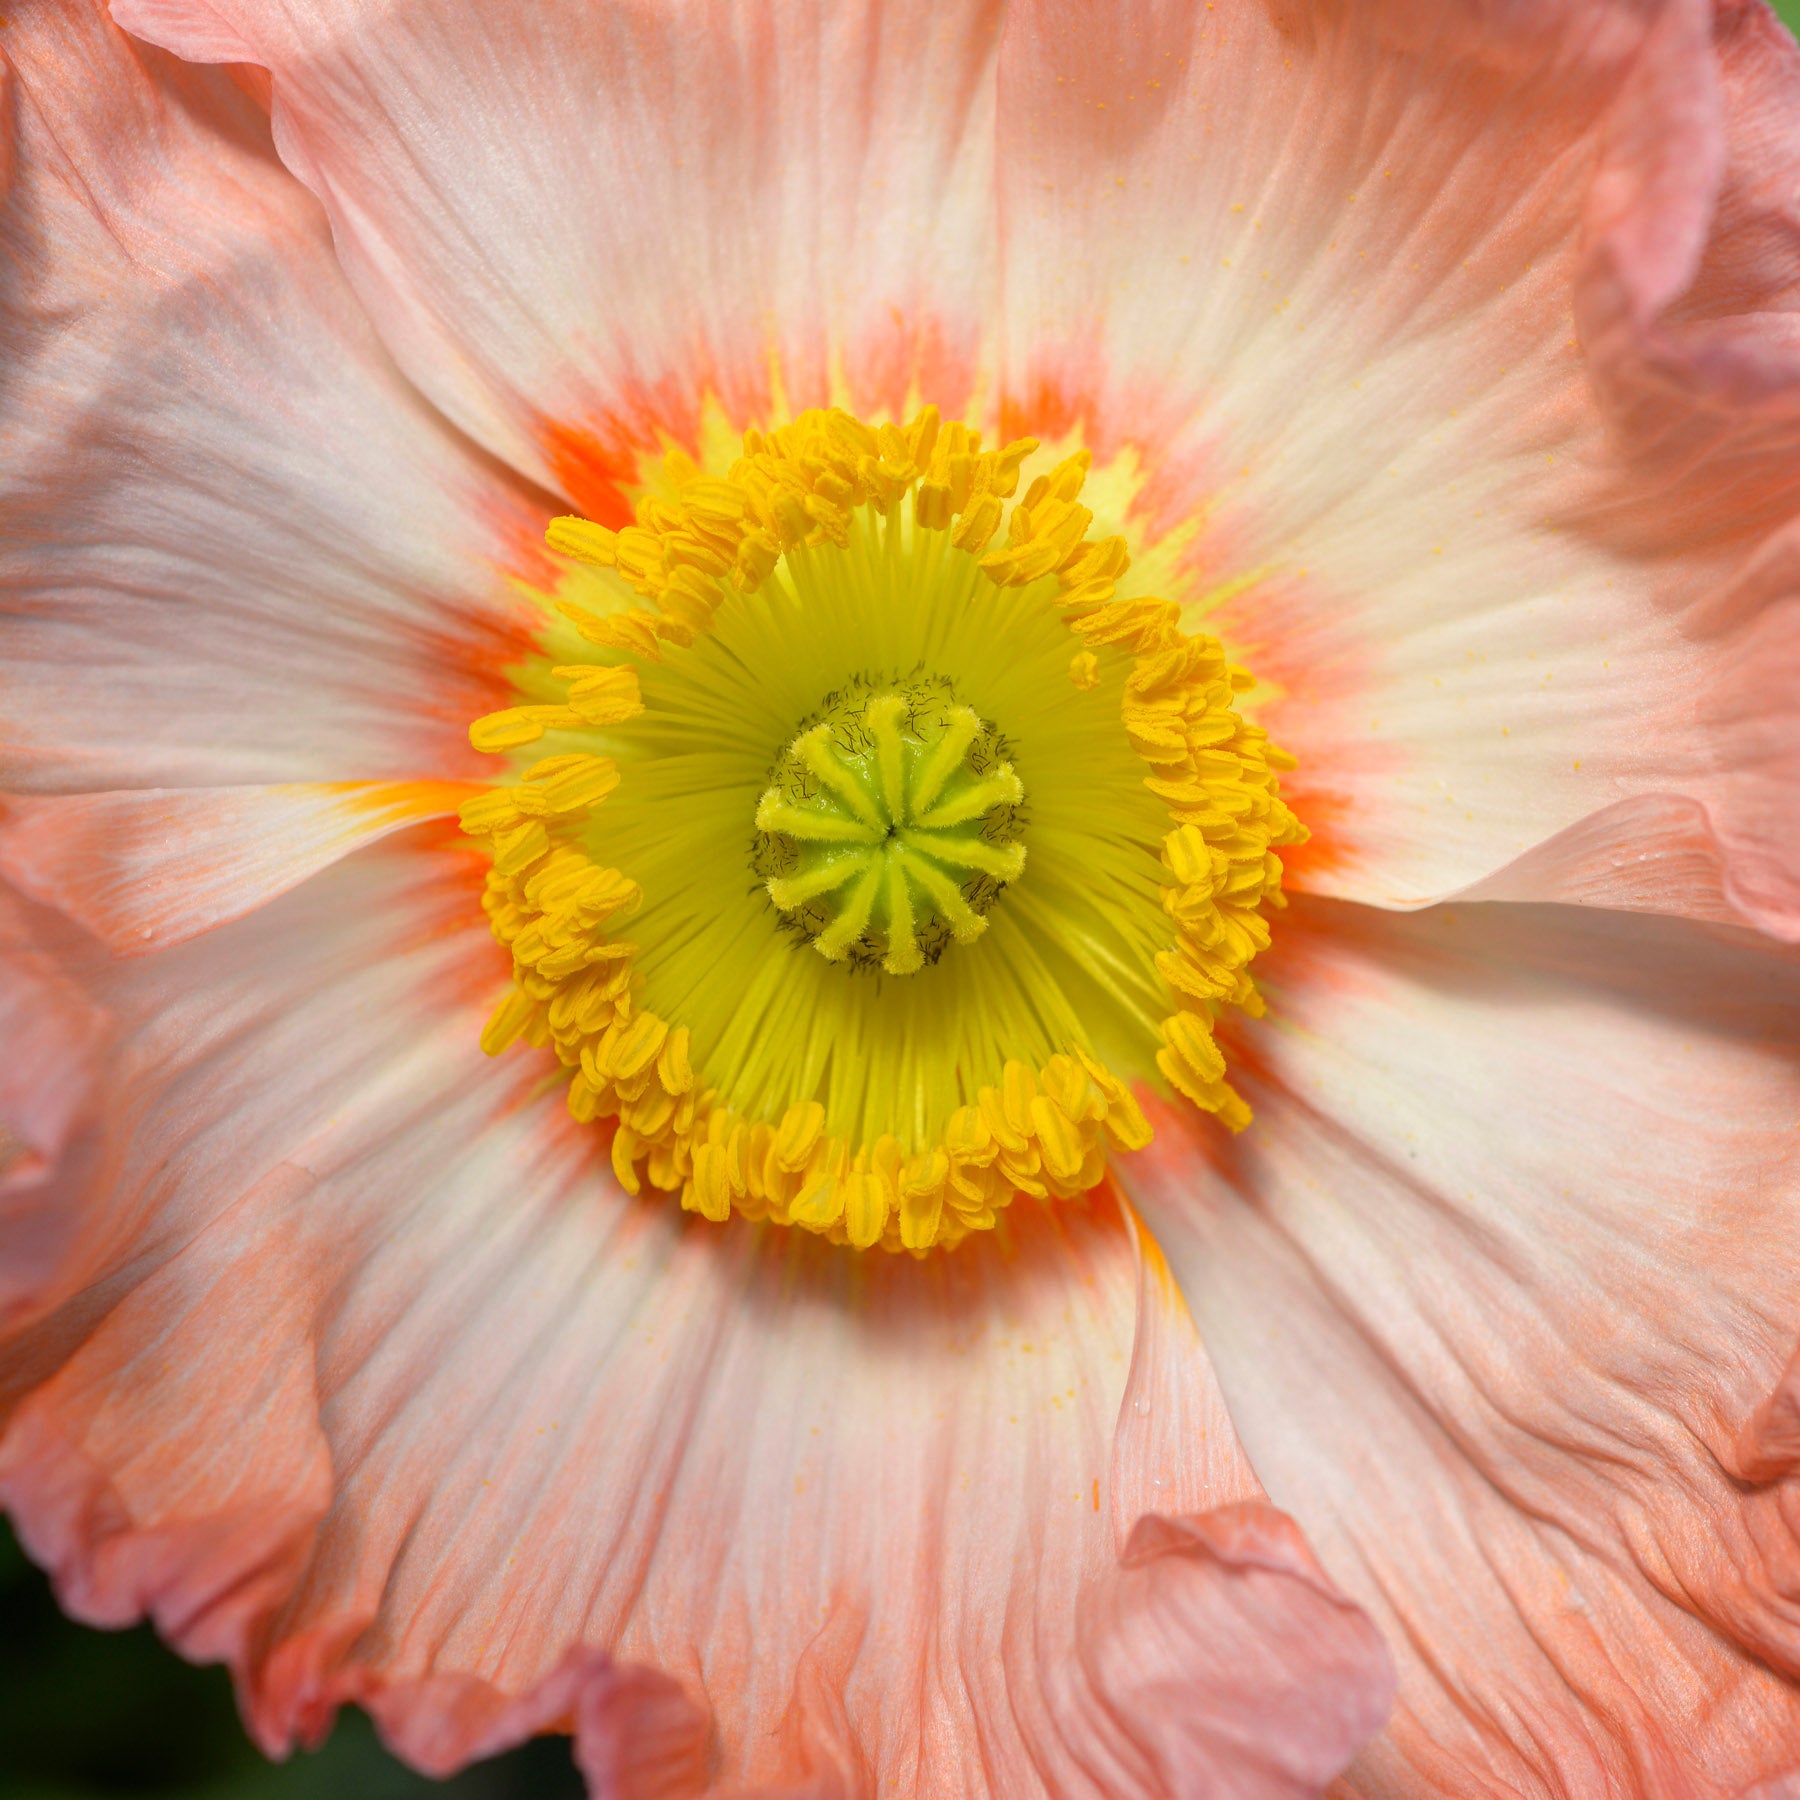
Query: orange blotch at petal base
(855,866)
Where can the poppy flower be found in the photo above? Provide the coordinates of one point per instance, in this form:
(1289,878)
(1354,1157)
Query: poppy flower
(900,899)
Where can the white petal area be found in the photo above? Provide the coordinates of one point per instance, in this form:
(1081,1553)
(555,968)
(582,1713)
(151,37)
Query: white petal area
(1494,1284)
(1455,342)
(365,1376)
(145,868)
(235,545)
(572,223)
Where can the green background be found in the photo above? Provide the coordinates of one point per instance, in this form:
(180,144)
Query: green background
(90,1715)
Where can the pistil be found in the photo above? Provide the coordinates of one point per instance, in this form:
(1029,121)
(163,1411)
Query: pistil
(890,828)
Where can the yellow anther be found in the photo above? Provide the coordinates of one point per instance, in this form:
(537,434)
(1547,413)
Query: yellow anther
(583,540)
(639,555)
(578,782)
(1058,1140)
(820,1202)
(711,1186)
(978,525)
(800,1129)
(601,693)
(518,726)
(625,1144)
(509,1019)
(718,501)
(931,505)
(672,1065)
(636,1047)
(493,811)
(1018,1089)
(516,851)
(992,1113)
(921,1218)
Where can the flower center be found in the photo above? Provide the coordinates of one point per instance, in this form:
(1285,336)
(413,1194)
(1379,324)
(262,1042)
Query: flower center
(703,1010)
(890,826)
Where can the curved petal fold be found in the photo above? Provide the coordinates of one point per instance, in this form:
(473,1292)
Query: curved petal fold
(1657,853)
(1768,1448)
(1459,345)
(235,545)
(229,1535)
(146,868)
(662,204)
(1227,1663)
(53,1029)
(1498,1285)
(56,1035)
(368,1378)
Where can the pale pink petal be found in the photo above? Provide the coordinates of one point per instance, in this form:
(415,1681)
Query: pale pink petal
(368,1378)
(1657,853)
(148,867)
(1461,339)
(572,223)
(1498,1285)
(341,1017)
(235,546)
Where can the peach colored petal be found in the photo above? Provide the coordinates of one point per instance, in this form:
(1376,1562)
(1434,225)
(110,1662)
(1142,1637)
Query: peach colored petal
(659,202)
(149,867)
(1192,1652)
(52,1030)
(1768,1448)
(54,1037)
(1466,335)
(225,1535)
(1498,1287)
(235,546)
(496,1448)
(1174,1451)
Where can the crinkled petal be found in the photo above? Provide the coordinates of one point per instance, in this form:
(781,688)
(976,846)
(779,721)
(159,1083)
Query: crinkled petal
(235,546)
(658,203)
(55,1035)
(367,1377)
(1458,342)
(1500,1285)
(1222,1662)
(43,1002)
(1768,1448)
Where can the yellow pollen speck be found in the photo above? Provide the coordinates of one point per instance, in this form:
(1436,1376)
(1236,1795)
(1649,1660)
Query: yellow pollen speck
(809,861)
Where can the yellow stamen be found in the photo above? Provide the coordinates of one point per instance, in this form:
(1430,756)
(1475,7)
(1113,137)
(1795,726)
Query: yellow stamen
(855,841)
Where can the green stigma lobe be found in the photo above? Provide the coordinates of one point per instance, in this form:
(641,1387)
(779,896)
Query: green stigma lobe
(890,828)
